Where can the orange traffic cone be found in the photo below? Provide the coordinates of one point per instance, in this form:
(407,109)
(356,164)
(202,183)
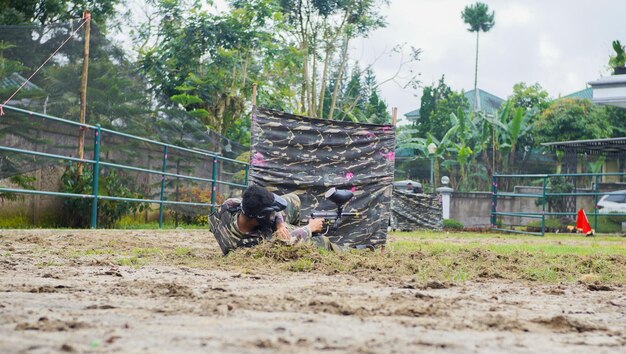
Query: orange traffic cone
(582,224)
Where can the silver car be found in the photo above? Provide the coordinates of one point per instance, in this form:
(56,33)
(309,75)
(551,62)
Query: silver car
(614,202)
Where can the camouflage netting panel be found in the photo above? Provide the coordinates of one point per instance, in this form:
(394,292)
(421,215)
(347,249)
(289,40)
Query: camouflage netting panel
(411,211)
(308,156)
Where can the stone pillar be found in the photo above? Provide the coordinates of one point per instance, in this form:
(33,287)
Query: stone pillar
(445,192)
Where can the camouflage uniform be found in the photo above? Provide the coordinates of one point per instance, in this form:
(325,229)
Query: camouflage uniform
(224,226)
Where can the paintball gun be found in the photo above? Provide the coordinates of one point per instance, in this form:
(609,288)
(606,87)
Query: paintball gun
(333,218)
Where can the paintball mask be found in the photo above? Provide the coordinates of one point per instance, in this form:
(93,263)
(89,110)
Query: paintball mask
(267,215)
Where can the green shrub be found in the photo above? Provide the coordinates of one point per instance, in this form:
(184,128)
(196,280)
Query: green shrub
(76,212)
(550,224)
(19,221)
(609,224)
(451,224)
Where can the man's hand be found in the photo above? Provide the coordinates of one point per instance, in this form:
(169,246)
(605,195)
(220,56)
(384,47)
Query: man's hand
(282,232)
(316,225)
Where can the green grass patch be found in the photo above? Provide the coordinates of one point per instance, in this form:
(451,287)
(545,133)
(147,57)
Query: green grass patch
(421,256)
(427,259)
(134,262)
(15,222)
(48,263)
(442,235)
(182,251)
(548,249)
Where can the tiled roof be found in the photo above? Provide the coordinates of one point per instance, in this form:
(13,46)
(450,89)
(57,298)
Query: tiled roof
(15,80)
(583,94)
(413,114)
(488,103)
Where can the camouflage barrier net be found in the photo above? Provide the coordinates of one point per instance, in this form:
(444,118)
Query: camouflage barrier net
(411,211)
(308,156)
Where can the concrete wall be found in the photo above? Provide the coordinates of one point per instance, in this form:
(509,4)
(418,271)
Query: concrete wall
(471,209)
(34,207)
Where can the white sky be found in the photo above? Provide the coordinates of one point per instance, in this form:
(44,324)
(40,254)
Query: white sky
(561,44)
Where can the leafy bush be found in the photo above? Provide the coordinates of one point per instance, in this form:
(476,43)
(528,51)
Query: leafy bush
(76,212)
(240,176)
(193,215)
(610,224)
(553,225)
(451,224)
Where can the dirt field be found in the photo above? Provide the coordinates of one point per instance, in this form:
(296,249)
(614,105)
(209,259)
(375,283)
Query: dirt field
(170,291)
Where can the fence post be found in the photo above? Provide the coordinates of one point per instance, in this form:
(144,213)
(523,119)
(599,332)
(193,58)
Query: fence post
(543,207)
(247,172)
(494,200)
(96,172)
(213,184)
(163,169)
(595,209)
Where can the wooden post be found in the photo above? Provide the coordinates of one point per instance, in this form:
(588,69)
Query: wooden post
(254,95)
(394,116)
(83,90)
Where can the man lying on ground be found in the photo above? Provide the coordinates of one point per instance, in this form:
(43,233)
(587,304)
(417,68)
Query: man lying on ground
(264,216)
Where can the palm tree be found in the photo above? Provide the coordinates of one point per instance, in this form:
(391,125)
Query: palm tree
(478,18)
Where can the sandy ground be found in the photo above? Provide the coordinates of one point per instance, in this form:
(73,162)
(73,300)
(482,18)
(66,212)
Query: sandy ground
(52,303)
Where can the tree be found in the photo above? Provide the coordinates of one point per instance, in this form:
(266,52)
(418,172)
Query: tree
(44,12)
(376,110)
(322,30)
(571,119)
(208,62)
(510,125)
(431,95)
(478,18)
(530,97)
(533,99)
(617,120)
(440,120)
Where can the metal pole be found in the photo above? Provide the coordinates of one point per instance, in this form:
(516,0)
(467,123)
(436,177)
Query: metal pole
(543,207)
(595,209)
(494,200)
(432,172)
(213,185)
(96,172)
(247,173)
(163,169)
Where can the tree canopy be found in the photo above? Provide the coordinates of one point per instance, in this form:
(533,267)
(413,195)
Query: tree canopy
(478,18)
(571,119)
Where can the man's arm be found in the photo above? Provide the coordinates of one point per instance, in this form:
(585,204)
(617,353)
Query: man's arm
(295,234)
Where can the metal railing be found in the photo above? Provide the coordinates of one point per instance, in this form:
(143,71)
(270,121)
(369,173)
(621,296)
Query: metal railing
(544,197)
(96,162)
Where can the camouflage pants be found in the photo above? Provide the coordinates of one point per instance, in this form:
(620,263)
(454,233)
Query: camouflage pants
(292,219)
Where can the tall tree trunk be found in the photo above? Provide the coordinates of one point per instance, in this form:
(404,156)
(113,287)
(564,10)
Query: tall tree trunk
(512,158)
(476,96)
(320,106)
(344,59)
(313,100)
(83,92)
(305,79)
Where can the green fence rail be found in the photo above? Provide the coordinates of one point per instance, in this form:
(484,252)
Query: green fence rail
(98,131)
(543,198)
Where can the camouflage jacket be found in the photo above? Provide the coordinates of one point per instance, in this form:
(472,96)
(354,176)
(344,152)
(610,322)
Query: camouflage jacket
(223,224)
